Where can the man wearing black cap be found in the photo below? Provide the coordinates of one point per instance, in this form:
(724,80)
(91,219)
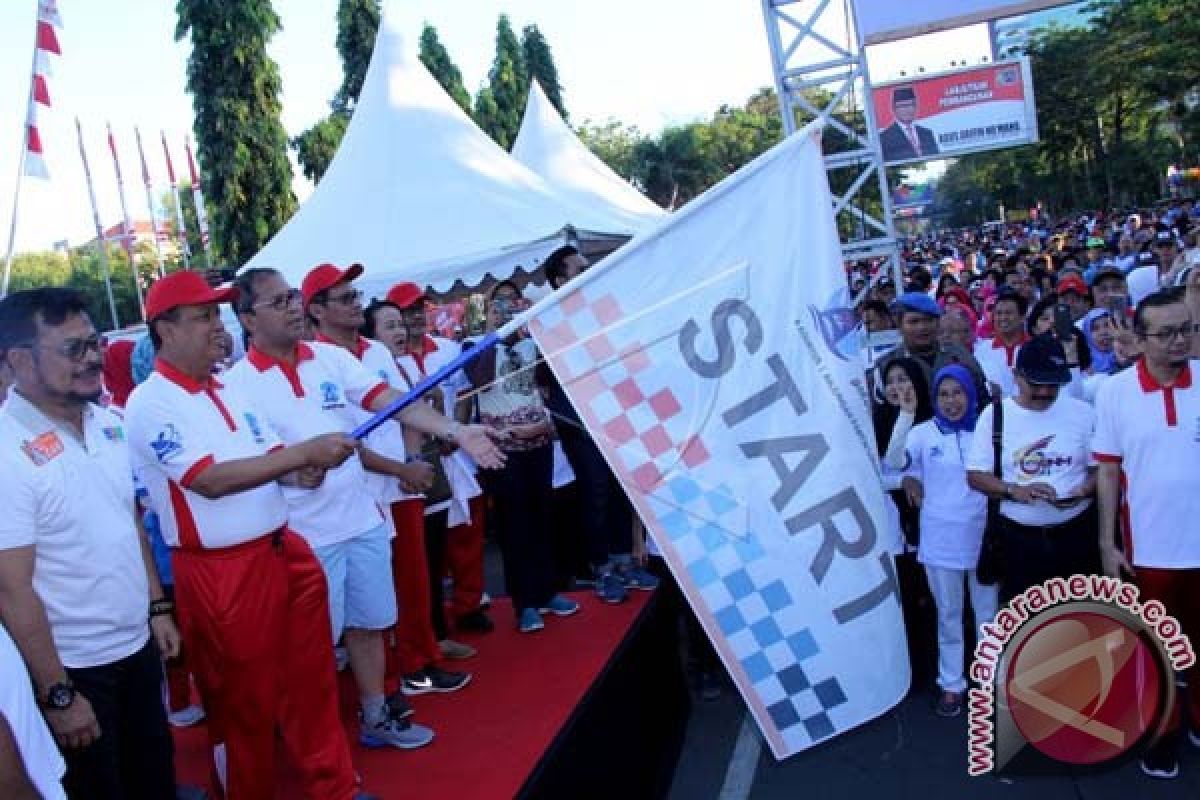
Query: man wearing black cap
(1047,476)
(902,140)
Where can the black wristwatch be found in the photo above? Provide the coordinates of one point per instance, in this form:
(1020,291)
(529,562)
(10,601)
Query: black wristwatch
(59,696)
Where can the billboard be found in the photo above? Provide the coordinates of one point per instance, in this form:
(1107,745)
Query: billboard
(955,113)
(880,21)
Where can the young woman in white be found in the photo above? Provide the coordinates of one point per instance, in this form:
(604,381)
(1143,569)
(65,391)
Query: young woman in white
(952,521)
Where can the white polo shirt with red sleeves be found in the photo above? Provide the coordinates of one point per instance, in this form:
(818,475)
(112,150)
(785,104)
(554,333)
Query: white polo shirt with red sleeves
(72,500)
(1153,432)
(178,426)
(387,439)
(323,392)
(997,359)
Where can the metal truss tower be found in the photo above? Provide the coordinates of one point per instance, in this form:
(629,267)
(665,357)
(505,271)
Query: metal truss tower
(815,76)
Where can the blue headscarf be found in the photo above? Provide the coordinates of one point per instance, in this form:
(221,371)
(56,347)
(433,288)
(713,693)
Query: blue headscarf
(1102,363)
(958,373)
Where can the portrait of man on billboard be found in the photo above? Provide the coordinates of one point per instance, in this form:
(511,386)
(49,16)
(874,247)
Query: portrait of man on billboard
(903,139)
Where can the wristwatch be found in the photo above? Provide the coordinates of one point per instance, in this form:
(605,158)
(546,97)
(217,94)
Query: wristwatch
(451,432)
(59,696)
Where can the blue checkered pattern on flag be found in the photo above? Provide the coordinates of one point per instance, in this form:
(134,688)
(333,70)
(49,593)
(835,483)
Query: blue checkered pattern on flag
(715,363)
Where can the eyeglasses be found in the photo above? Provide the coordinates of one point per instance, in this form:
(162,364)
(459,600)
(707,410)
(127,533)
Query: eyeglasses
(281,302)
(73,349)
(1169,335)
(346,298)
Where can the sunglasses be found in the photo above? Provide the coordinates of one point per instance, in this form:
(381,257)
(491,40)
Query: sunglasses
(281,302)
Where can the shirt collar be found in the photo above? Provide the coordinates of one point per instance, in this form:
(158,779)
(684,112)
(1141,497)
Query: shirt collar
(263,362)
(360,344)
(182,379)
(1150,384)
(997,342)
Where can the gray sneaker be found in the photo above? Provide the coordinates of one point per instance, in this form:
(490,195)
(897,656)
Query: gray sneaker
(391,732)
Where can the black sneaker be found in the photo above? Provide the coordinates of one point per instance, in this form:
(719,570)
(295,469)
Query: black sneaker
(950,704)
(1161,760)
(476,621)
(398,706)
(432,679)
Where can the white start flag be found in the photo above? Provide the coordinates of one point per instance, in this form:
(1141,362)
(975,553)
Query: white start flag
(715,362)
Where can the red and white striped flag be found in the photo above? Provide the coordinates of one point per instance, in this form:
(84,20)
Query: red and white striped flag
(160,233)
(197,195)
(45,45)
(181,228)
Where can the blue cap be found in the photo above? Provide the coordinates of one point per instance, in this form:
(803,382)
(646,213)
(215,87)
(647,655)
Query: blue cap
(918,302)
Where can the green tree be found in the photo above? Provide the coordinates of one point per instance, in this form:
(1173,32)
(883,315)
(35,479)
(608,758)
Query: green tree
(242,146)
(437,60)
(358,24)
(614,143)
(539,65)
(500,112)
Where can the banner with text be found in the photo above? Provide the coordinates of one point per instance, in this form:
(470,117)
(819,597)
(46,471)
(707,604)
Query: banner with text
(955,113)
(716,364)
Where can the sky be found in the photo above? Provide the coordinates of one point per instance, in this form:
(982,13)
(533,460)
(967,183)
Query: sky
(650,63)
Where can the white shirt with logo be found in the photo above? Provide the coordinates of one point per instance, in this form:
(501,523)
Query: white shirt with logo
(178,428)
(324,392)
(72,500)
(35,746)
(953,515)
(1052,447)
(1153,432)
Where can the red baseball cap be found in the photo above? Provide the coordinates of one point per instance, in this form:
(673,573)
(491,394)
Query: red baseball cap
(326,276)
(403,295)
(185,288)
(1072,283)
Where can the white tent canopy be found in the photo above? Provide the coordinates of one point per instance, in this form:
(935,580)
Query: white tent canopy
(417,192)
(548,146)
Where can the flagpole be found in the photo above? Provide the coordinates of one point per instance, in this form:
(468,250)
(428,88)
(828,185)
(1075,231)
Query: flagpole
(12,227)
(128,238)
(87,171)
(160,267)
(201,211)
(183,242)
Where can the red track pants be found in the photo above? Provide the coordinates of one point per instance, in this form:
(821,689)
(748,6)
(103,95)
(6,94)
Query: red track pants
(464,558)
(416,646)
(1179,592)
(256,620)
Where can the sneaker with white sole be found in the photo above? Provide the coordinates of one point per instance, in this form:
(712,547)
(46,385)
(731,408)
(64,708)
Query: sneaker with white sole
(610,588)
(1194,737)
(432,679)
(398,706)
(398,733)
(560,606)
(1161,759)
(634,577)
(186,717)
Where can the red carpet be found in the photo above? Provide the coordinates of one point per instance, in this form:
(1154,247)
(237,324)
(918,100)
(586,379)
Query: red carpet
(490,735)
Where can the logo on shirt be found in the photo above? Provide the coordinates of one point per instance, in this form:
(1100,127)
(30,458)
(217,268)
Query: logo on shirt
(330,396)
(383,376)
(115,433)
(1033,460)
(255,428)
(936,451)
(43,449)
(168,443)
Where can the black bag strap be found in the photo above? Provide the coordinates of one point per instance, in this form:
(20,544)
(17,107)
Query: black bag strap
(997,436)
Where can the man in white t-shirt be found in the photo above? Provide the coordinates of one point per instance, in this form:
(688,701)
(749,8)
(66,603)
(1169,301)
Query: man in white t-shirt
(1148,440)
(1047,478)
(1148,279)
(397,481)
(78,590)
(252,598)
(996,356)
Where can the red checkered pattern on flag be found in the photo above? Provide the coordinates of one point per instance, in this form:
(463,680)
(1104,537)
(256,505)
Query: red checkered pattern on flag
(709,361)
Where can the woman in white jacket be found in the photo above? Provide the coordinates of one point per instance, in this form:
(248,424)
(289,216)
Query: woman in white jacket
(952,517)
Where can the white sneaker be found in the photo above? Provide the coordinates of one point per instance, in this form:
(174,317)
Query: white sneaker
(187,717)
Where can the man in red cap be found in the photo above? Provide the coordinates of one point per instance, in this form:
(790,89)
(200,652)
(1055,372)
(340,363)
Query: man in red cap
(251,596)
(464,542)
(1073,291)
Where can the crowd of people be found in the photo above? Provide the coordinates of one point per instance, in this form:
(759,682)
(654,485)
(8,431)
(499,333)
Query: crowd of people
(1038,419)
(196,500)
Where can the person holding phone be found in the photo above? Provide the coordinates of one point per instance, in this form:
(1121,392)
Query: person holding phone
(1047,475)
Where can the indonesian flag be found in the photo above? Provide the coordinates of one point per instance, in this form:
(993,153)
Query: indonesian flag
(161,233)
(713,362)
(45,45)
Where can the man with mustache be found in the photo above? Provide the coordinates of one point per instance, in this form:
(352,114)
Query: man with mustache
(78,590)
